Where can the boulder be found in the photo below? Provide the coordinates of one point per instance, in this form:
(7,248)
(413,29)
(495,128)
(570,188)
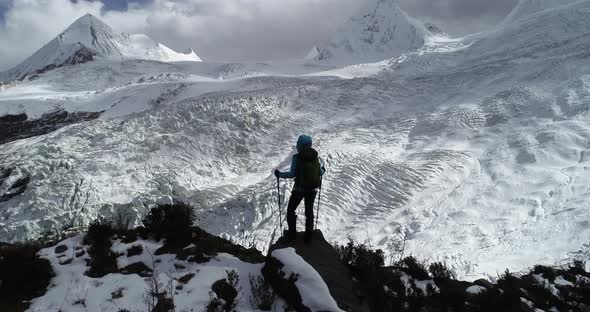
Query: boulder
(322,256)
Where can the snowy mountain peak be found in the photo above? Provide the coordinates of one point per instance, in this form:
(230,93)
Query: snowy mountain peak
(88,37)
(313,53)
(95,34)
(379,31)
(85,21)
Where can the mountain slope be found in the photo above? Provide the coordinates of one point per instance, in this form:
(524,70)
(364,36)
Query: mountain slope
(525,8)
(473,154)
(547,31)
(86,38)
(381,30)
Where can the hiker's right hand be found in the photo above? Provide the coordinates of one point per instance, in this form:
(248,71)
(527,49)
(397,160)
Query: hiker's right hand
(277,173)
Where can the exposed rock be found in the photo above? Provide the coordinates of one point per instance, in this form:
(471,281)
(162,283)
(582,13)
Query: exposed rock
(15,189)
(134,250)
(224,291)
(13,118)
(323,258)
(205,246)
(138,268)
(23,276)
(484,283)
(283,285)
(82,55)
(164,304)
(16,127)
(186,278)
(61,248)
(434,29)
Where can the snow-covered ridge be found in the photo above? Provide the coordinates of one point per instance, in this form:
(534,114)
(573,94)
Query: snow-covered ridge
(144,47)
(473,151)
(87,38)
(381,30)
(133,270)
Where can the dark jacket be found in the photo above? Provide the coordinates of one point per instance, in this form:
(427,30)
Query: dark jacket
(292,173)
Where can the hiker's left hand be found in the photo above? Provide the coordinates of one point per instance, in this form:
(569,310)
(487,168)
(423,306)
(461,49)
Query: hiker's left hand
(277,173)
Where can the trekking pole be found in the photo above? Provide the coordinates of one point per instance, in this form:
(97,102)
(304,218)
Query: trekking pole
(317,215)
(280,213)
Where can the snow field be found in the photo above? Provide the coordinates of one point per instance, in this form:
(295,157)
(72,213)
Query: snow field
(70,287)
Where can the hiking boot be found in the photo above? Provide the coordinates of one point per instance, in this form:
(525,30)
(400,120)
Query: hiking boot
(291,236)
(307,237)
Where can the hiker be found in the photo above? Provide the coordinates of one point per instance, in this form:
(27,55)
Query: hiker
(307,169)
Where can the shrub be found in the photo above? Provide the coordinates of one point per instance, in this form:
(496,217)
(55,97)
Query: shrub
(215,304)
(227,293)
(412,267)
(359,257)
(170,221)
(121,219)
(578,267)
(382,285)
(102,259)
(547,272)
(135,250)
(117,293)
(262,294)
(159,297)
(129,236)
(24,275)
(186,278)
(582,292)
(508,297)
(440,272)
(98,231)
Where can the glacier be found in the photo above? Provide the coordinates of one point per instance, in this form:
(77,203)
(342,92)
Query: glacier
(475,150)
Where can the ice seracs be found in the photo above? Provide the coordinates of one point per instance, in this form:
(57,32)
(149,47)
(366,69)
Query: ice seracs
(381,30)
(89,37)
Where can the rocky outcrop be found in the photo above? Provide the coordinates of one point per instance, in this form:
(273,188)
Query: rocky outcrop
(16,127)
(15,189)
(324,259)
(81,56)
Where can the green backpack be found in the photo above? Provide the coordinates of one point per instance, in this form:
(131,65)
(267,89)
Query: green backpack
(308,169)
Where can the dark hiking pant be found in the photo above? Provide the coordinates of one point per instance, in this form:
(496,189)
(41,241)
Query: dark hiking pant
(294,201)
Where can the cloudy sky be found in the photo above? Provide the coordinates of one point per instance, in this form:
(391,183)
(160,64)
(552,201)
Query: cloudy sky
(223,30)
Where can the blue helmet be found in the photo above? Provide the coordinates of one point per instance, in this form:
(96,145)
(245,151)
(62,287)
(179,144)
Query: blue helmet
(303,141)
